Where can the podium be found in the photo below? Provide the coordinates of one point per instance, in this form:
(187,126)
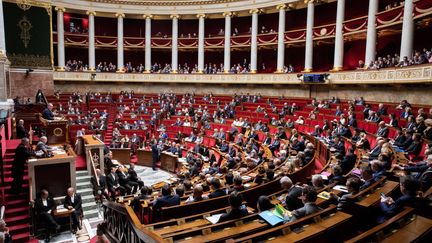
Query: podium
(57,131)
(55,174)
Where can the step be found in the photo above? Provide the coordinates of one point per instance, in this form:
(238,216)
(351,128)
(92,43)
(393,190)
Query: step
(87,198)
(82,173)
(16,220)
(85,191)
(16,202)
(23,237)
(82,185)
(11,212)
(89,206)
(90,214)
(83,178)
(18,229)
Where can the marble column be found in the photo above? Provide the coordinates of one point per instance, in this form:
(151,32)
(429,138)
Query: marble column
(254,40)
(2,36)
(201,30)
(309,36)
(148,64)
(120,37)
(174,43)
(60,39)
(91,41)
(407,40)
(371,35)
(227,43)
(281,39)
(339,39)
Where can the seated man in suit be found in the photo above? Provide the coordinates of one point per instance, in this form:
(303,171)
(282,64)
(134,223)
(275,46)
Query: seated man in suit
(113,184)
(367,177)
(44,204)
(47,112)
(167,199)
(344,202)
(124,179)
(275,145)
(100,189)
(291,200)
(134,176)
(390,207)
(217,191)
(309,196)
(383,130)
(73,201)
(237,210)
(348,161)
(41,145)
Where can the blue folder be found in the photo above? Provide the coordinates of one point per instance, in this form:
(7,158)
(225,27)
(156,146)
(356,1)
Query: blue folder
(270,218)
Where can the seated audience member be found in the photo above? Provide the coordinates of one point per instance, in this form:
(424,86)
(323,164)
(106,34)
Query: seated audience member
(345,201)
(383,130)
(422,171)
(44,204)
(390,207)
(21,131)
(416,145)
(348,161)
(309,197)
(367,177)
(145,193)
(47,112)
(317,182)
(124,179)
(378,169)
(113,183)
(337,175)
(264,204)
(73,201)
(5,236)
(217,190)
(197,194)
(41,145)
(237,211)
(133,176)
(167,198)
(293,193)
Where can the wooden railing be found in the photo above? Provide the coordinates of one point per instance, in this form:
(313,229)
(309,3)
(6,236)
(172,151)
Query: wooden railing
(122,225)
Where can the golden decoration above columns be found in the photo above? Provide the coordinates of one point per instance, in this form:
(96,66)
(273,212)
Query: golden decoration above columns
(120,15)
(230,14)
(281,6)
(201,16)
(256,10)
(147,16)
(60,9)
(91,13)
(172,16)
(311,1)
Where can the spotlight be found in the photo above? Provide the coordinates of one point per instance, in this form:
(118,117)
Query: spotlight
(300,77)
(28,71)
(326,76)
(93,76)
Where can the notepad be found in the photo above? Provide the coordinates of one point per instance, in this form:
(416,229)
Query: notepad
(214,218)
(324,195)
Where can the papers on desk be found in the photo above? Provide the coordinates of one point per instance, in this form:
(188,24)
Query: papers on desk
(61,209)
(324,195)
(214,218)
(325,175)
(32,160)
(246,178)
(356,172)
(341,188)
(58,152)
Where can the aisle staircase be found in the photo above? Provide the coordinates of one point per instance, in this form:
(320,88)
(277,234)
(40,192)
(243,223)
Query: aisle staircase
(84,188)
(110,122)
(16,206)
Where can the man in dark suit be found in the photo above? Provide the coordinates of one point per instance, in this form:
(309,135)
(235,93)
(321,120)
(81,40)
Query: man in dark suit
(309,196)
(44,204)
(73,201)
(113,184)
(367,176)
(348,161)
(217,191)
(47,112)
(22,154)
(42,146)
(294,192)
(237,211)
(125,181)
(268,139)
(345,201)
(21,131)
(167,199)
(134,176)
(155,154)
(100,189)
(231,150)
(275,145)
(383,130)
(224,147)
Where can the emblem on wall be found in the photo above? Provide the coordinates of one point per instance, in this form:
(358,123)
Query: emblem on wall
(25,27)
(58,132)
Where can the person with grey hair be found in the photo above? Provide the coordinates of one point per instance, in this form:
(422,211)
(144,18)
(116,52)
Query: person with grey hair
(22,154)
(317,182)
(42,146)
(47,113)
(5,237)
(291,200)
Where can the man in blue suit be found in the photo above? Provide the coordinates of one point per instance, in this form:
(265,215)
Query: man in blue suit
(47,112)
(167,199)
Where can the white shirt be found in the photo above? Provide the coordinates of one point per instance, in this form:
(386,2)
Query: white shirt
(45,202)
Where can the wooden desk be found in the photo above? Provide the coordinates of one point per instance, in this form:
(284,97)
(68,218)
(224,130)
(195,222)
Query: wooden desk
(307,232)
(375,197)
(121,154)
(63,214)
(96,147)
(145,157)
(176,228)
(411,231)
(55,174)
(168,162)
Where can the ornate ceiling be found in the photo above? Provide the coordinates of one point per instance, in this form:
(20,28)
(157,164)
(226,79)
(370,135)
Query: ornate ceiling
(165,2)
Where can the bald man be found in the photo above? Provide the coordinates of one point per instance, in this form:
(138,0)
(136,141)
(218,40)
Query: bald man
(73,201)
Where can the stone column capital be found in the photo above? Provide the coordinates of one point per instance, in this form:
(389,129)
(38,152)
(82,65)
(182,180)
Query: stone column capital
(60,9)
(229,14)
(120,15)
(281,6)
(174,16)
(90,12)
(147,16)
(201,15)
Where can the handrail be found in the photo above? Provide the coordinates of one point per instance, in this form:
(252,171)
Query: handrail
(130,228)
(2,210)
(93,168)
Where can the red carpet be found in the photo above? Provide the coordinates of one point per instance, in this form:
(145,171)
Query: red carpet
(80,163)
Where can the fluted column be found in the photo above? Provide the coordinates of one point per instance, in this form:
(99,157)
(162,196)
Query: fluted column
(174,43)
(281,39)
(60,39)
(201,30)
(91,41)
(227,43)
(2,29)
(309,36)
(120,36)
(407,31)
(147,64)
(371,32)
(254,40)
(339,39)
